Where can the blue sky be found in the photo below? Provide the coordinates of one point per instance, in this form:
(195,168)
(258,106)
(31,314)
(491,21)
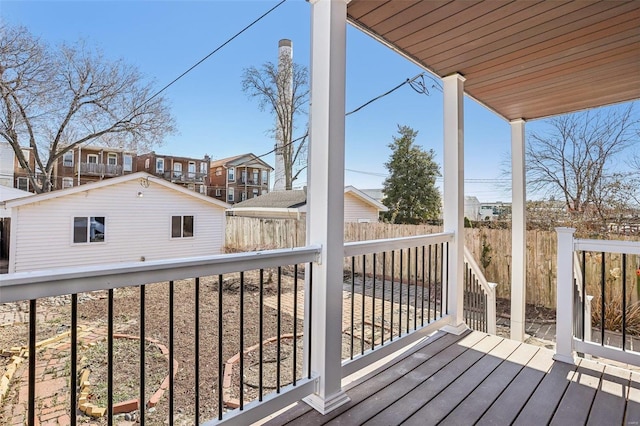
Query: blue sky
(215,117)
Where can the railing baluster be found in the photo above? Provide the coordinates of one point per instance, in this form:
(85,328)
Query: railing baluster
(295,322)
(415,293)
(241,351)
(422,298)
(74,359)
(624,302)
(196,363)
(408,289)
(430,266)
(110,358)
(310,297)
(220,355)
(373,305)
(142,400)
(362,308)
(261,337)
(384,295)
(279,331)
(400,295)
(393,270)
(31,413)
(602,306)
(171,352)
(353,305)
(435,277)
(584,294)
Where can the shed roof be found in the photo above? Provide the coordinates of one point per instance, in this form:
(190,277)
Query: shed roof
(145,179)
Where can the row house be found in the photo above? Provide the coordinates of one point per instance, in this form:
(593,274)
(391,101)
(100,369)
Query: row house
(239,178)
(192,173)
(20,174)
(85,164)
(77,166)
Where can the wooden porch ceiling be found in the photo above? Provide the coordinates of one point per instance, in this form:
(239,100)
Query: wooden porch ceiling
(521,59)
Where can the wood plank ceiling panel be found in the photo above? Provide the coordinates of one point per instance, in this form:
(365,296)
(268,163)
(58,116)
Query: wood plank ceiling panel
(521,59)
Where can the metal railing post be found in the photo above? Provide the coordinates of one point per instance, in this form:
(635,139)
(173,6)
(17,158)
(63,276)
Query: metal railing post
(564,316)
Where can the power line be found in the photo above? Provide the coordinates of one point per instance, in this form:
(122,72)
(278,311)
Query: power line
(414,82)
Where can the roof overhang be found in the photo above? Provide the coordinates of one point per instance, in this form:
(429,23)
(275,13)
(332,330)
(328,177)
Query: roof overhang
(521,59)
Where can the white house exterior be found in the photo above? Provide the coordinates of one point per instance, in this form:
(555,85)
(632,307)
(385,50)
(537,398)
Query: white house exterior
(358,206)
(131,218)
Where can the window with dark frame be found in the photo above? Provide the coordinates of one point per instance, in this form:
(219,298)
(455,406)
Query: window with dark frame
(67,159)
(88,229)
(181,226)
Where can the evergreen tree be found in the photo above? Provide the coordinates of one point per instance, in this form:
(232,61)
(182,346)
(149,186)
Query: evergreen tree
(410,189)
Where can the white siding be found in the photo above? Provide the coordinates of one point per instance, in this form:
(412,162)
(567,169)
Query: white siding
(136,227)
(357,210)
(6,164)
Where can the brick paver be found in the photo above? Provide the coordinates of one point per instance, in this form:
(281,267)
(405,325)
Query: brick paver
(52,387)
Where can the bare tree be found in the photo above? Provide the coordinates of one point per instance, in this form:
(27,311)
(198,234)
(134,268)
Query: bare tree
(283,90)
(54,99)
(574,160)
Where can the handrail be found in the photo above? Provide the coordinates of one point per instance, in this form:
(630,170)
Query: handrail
(607,246)
(377,246)
(62,281)
(488,288)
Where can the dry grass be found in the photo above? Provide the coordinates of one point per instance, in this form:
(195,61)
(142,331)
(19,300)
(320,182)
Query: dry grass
(613,315)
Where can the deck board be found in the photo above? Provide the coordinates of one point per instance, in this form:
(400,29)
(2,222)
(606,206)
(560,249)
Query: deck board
(632,414)
(514,397)
(608,405)
(542,404)
(577,400)
(412,401)
(483,396)
(480,379)
(436,409)
(395,391)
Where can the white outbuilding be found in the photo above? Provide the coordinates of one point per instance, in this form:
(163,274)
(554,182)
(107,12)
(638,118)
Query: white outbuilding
(130,218)
(358,206)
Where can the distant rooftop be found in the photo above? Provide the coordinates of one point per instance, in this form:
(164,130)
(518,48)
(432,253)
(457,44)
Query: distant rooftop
(276,199)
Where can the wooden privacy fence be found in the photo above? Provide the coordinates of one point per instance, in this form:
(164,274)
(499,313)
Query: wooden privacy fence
(491,248)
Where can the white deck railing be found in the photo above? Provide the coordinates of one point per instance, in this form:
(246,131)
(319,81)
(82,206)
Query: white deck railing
(566,341)
(366,248)
(68,281)
(488,288)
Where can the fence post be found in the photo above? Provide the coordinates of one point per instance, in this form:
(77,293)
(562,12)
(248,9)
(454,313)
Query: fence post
(564,292)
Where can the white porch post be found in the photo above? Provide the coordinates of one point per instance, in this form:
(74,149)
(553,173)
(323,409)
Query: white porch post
(518,231)
(453,171)
(564,294)
(325,199)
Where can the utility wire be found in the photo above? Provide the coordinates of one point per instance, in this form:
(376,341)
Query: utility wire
(202,60)
(416,83)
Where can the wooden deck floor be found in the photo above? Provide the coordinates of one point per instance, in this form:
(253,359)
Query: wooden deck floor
(482,379)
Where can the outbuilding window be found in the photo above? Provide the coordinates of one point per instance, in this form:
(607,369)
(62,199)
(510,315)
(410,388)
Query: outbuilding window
(88,229)
(181,226)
